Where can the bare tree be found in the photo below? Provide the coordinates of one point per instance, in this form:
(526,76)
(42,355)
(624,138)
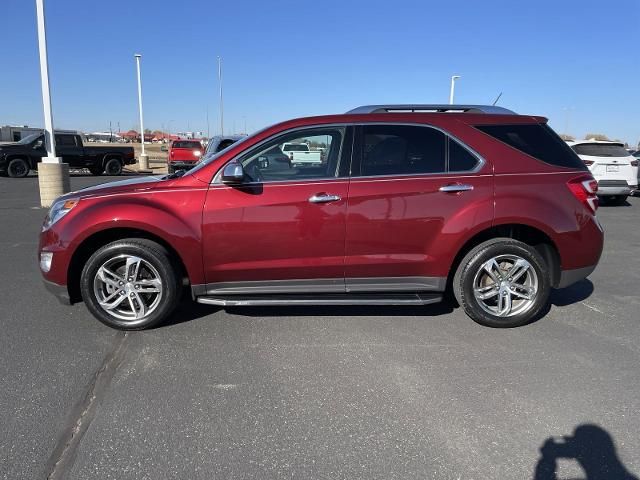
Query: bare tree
(596,136)
(567,138)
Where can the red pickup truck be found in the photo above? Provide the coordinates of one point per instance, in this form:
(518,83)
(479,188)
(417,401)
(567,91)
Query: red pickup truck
(184,154)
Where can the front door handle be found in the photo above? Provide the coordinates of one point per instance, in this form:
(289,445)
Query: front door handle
(455,187)
(323,198)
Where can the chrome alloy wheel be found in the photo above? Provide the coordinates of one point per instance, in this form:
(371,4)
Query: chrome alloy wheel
(128,288)
(505,285)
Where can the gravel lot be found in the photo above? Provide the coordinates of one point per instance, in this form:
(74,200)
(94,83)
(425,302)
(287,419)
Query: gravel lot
(316,392)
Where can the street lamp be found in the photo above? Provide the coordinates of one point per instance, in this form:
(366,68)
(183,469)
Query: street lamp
(220,82)
(453,86)
(144,158)
(53,175)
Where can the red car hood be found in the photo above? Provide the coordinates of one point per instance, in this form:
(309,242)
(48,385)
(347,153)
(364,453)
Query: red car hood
(135,184)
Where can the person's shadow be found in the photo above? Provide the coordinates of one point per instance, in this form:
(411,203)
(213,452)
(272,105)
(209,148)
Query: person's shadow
(591,447)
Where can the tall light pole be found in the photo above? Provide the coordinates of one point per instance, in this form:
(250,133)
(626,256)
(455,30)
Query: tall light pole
(144,158)
(453,86)
(221,108)
(53,175)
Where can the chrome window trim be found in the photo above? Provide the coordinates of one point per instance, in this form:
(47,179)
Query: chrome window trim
(481,160)
(216,178)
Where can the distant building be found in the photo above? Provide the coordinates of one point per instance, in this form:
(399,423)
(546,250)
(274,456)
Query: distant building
(15,133)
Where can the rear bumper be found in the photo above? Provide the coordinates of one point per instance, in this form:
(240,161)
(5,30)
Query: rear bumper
(615,187)
(569,277)
(59,291)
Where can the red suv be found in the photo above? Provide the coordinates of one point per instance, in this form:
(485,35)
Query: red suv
(184,154)
(408,202)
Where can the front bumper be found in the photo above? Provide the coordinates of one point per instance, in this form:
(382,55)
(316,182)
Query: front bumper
(61,292)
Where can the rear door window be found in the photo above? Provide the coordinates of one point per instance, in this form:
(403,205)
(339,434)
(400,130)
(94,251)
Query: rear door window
(65,140)
(536,140)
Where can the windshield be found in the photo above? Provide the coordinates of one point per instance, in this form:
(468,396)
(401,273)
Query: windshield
(29,138)
(600,150)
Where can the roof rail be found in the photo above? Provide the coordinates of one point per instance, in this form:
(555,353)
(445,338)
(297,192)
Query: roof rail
(433,108)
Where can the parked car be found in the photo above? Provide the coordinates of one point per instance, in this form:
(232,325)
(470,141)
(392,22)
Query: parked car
(300,154)
(18,158)
(184,154)
(615,169)
(483,202)
(218,143)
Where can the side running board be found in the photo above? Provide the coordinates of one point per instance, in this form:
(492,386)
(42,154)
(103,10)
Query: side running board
(322,299)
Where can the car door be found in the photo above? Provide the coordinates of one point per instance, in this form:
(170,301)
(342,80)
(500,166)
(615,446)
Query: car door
(283,229)
(68,149)
(414,191)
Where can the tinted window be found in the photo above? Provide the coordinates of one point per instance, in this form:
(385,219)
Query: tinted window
(460,159)
(224,144)
(186,145)
(270,163)
(600,150)
(293,147)
(536,140)
(65,140)
(401,149)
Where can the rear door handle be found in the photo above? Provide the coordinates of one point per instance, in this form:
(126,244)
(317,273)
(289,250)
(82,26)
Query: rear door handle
(323,198)
(455,187)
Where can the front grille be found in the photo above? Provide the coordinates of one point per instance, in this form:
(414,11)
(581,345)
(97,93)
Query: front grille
(613,183)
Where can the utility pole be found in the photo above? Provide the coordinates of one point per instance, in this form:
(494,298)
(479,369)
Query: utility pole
(144,158)
(53,175)
(453,86)
(221,106)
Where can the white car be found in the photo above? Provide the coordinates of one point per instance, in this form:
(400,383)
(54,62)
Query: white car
(300,154)
(615,169)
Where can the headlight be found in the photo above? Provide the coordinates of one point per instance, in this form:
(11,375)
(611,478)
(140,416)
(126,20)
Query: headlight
(59,210)
(197,153)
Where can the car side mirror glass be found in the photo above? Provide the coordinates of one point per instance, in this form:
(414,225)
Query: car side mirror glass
(233,173)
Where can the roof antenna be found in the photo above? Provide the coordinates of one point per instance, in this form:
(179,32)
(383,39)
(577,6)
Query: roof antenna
(497,98)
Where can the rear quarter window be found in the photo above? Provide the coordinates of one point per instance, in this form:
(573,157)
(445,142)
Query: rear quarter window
(536,140)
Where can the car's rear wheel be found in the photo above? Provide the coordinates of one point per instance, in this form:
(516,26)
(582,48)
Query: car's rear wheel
(130,284)
(113,166)
(502,283)
(18,168)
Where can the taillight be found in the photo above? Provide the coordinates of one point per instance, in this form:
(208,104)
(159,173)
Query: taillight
(634,163)
(585,189)
(588,163)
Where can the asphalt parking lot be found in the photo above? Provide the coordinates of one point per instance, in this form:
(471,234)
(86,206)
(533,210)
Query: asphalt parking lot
(316,392)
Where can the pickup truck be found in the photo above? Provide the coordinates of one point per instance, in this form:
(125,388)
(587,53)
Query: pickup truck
(299,154)
(18,158)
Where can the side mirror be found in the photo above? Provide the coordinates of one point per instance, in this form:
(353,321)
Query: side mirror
(263,162)
(233,174)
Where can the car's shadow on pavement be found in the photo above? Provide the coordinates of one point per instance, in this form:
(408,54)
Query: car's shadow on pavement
(573,294)
(189,310)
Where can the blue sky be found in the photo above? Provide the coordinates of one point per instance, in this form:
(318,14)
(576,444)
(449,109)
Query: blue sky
(572,61)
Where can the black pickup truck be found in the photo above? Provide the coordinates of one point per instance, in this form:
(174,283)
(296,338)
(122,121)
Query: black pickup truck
(18,158)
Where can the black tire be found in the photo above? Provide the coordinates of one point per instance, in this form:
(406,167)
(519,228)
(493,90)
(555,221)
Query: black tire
(18,168)
(113,166)
(471,265)
(97,170)
(161,267)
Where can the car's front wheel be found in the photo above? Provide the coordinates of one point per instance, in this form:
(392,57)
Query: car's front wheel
(503,283)
(130,284)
